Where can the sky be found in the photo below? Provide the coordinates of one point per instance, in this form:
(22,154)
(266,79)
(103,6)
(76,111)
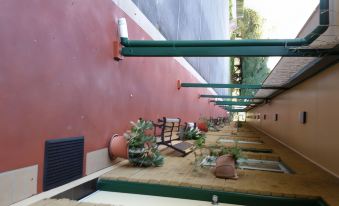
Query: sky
(283,19)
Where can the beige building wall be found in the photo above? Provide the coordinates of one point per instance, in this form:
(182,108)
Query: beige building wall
(318,139)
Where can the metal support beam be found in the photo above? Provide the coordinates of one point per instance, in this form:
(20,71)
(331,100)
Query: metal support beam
(229,96)
(240,86)
(236,103)
(240,100)
(250,51)
(232,108)
(321,28)
(245,47)
(236,110)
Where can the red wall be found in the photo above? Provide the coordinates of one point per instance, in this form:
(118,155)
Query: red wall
(58,79)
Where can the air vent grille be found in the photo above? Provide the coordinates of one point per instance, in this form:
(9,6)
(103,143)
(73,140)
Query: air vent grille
(63,161)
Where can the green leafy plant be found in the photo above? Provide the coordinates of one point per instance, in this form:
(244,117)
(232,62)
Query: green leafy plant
(235,151)
(199,143)
(193,133)
(142,148)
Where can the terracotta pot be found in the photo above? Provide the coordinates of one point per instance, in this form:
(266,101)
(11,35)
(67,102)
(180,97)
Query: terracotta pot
(202,126)
(225,167)
(234,124)
(118,147)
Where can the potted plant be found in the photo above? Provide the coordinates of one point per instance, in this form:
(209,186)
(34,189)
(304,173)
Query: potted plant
(203,124)
(193,134)
(142,148)
(226,161)
(235,152)
(199,142)
(118,147)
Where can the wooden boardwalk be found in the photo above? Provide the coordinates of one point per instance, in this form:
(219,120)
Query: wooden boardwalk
(308,180)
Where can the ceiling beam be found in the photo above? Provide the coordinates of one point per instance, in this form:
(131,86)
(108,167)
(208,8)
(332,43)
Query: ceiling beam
(229,96)
(239,86)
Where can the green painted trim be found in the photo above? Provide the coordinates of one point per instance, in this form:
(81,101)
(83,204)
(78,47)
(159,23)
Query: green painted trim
(230,109)
(213,43)
(235,110)
(229,96)
(239,100)
(244,47)
(240,86)
(256,150)
(249,51)
(321,28)
(236,103)
(203,194)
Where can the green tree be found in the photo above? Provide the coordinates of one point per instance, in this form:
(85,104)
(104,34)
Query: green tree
(254,69)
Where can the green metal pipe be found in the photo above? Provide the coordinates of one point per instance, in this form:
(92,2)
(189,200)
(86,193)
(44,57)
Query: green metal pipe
(324,21)
(323,25)
(235,103)
(213,43)
(249,51)
(240,86)
(239,100)
(229,96)
(225,96)
(229,108)
(236,110)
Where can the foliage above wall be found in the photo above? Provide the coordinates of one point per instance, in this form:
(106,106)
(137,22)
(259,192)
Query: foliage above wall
(254,70)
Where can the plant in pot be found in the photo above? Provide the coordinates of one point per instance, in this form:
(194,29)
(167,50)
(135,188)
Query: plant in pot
(235,152)
(118,147)
(142,147)
(227,161)
(193,134)
(199,143)
(203,124)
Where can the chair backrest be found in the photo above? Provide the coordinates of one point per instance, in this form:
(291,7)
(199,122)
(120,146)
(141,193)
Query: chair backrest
(168,126)
(190,125)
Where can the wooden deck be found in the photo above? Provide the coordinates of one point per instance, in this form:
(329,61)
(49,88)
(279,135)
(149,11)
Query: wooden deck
(308,180)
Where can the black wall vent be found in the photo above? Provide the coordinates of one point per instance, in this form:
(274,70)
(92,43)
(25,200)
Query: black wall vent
(63,161)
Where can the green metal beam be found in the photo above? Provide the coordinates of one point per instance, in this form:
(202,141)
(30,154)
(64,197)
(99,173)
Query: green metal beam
(230,109)
(321,28)
(250,51)
(213,43)
(314,34)
(236,110)
(236,103)
(229,96)
(240,86)
(240,100)
(245,47)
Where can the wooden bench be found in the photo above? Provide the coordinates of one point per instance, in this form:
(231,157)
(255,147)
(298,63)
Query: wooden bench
(169,133)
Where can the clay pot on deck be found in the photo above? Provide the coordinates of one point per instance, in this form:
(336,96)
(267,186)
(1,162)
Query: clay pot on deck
(234,124)
(202,126)
(118,147)
(225,167)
